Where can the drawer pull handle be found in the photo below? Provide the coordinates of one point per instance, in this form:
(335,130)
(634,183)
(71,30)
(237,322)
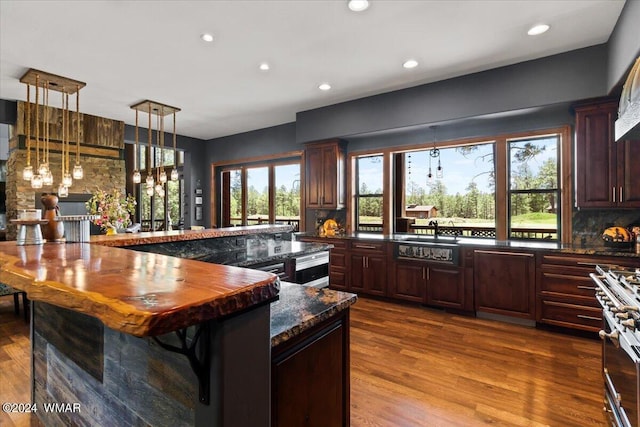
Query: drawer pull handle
(582,316)
(588,288)
(366,246)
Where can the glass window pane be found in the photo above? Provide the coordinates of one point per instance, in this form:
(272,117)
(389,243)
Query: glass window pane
(369,215)
(463,198)
(287,190)
(158,213)
(173,194)
(533,217)
(145,210)
(534,163)
(235,212)
(370,175)
(258,195)
(369,198)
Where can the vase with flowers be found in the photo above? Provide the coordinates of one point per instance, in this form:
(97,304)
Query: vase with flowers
(113,209)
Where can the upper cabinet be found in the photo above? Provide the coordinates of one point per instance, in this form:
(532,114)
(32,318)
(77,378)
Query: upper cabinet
(325,175)
(607,172)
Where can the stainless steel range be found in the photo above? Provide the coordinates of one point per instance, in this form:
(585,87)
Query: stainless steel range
(618,291)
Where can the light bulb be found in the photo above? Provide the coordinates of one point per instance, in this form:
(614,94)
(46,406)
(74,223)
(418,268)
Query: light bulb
(27,173)
(163,177)
(159,190)
(36,181)
(439,171)
(63,191)
(43,169)
(150,191)
(174,175)
(430,175)
(137,177)
(67,180)
(47,178)
(150,182)
(78,173)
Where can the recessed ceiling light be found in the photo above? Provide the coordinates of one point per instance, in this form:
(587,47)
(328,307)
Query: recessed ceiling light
(324,86)
(538,29)
(264,66)
(207,37)
(411,63)
(358,5)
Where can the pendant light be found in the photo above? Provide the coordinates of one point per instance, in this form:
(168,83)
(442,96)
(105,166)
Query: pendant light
(136,173)
(78,172)
(174,171)
(155,185)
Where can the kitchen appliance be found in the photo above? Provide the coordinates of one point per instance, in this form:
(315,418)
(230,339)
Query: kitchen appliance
(628,122)
(618,292)
(312,269)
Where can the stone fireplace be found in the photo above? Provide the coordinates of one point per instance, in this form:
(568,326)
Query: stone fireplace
(101,156)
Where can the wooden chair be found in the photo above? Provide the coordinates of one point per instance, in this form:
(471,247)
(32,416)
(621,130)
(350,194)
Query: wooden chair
(6,290)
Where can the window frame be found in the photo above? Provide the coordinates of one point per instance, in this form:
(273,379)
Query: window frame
(501,180)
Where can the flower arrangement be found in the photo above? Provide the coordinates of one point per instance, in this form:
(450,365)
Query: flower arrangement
(113,208)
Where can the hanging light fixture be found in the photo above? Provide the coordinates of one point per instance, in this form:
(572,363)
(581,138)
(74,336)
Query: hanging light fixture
(174,171)
(434,153)
(155,185)
(136,173)
(42,175)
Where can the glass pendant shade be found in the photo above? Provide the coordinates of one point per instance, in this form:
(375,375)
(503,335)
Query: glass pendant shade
(27,173)
(163,177)
(63,191)
(150,191)
(439,171)
(67,180)
(174,175)
(150,182)
(159,190)
(43,169)
(36,181)
(137,178)
(78,172)
(47,178)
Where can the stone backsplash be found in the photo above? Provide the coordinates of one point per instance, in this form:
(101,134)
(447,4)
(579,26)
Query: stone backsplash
(588,224)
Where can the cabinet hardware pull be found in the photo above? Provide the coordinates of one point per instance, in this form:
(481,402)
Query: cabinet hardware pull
(365,246)
(582,316)
(504,253)
(613,193)
(588,288)
(428,273)
(621,200)
(423,273)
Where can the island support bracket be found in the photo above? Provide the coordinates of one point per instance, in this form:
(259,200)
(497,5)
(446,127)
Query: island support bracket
(198,352)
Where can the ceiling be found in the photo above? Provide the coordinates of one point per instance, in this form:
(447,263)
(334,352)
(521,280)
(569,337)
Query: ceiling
(129,51)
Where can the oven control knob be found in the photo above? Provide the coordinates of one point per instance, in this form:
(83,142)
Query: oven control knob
(629,323)
(630,308)
(613,336)
(622,315)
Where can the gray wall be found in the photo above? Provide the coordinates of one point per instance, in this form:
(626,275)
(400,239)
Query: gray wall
(624,44)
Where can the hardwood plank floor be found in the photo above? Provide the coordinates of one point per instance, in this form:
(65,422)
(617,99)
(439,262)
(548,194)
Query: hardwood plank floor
(415,366)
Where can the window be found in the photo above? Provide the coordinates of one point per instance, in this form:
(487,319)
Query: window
(369,197)
(159,213)
(533,188)
(462,200)
(261,193)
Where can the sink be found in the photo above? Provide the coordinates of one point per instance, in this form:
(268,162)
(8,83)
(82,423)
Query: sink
(443,250)
(426,239)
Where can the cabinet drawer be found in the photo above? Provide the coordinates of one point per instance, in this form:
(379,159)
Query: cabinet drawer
(337,259)
(368,247)
(571,315)
(569,284)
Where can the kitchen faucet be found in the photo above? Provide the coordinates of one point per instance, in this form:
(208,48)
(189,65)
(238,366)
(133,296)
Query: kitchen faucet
(434,224)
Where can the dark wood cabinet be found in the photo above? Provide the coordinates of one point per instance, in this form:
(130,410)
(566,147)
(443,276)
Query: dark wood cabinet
(368,268)
(445,287)
(310,377)
(337,261)
(607,172)
(504,283)
(325,177)
(410,282)
(566,293)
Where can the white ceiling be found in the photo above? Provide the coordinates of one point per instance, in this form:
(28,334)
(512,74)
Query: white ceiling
(128,51)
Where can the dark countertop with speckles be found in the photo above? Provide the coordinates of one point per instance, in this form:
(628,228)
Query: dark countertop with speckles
(300,308)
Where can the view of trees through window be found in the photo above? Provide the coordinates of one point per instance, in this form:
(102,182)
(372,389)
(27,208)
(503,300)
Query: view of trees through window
(369,200)
(283,182)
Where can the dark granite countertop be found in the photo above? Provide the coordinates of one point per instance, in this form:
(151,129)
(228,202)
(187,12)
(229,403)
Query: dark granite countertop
(300,308)
(486,243)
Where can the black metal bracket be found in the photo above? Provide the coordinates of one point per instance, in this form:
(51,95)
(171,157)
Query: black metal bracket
(200,346)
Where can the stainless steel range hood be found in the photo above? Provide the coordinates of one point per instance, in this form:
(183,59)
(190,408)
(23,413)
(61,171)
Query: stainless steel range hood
(628,123)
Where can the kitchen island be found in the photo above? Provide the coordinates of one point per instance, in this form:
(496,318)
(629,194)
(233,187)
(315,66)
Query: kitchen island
(144,338)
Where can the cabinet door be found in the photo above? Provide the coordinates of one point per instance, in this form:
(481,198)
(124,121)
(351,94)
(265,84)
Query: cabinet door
(329,188)
(505,283)
(356,272)
(375,275)
(314,176)
(410,282)
(628,174)
(445,287)
(596,172)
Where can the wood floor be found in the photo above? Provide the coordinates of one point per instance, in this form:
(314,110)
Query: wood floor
(413,366)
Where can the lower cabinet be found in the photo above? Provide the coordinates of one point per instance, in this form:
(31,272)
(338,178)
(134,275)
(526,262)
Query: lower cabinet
(430,283)
(504,283)
(310,377)
(368,268)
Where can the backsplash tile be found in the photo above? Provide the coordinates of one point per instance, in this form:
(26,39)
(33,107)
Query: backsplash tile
(588,224)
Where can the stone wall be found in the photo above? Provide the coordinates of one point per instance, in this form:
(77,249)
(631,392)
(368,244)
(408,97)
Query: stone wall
(101,156)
